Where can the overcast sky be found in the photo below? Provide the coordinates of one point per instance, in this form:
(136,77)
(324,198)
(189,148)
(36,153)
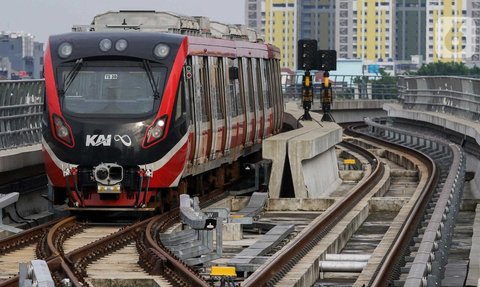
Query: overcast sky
(46,17)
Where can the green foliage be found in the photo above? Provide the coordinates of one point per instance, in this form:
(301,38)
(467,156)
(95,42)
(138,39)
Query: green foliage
(447,69)
(384,87)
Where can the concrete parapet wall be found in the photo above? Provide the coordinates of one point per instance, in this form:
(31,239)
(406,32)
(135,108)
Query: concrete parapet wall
(474,265)
(313,161)
(21,157)
(463,126)
(310,154)
(275,149)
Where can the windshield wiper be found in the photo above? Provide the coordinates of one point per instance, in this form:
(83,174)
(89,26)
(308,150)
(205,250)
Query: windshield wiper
(68,80)
(151,79)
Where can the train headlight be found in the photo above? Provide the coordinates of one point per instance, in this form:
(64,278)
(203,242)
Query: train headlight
(65,50)
(105,45)
(156,131)
(101,173)
(62,131)
(121,45)
(161,51)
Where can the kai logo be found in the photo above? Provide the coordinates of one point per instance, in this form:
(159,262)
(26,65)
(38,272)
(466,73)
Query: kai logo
(106,140)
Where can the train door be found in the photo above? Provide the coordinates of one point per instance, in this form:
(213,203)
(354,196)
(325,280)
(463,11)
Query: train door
(217,107)
(248,108)
(202,112)
(258,81)
(235,104)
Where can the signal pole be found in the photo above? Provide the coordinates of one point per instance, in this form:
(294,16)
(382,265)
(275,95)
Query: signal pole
(307,95)
(326,98)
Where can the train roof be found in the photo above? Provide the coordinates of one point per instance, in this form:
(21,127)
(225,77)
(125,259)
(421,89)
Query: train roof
(161,21)
(205,37)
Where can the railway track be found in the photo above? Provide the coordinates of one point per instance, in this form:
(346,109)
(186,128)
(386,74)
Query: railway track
(81,252)
(272,272)
(414,213)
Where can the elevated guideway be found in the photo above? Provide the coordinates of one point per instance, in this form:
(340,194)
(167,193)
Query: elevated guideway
(452,103)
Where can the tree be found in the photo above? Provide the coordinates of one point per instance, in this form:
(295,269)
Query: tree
(447,69)
(384,87)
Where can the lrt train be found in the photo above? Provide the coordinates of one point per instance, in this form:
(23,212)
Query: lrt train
(132,119)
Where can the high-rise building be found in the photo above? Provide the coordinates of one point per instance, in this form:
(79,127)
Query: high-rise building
(410,29)
(255,15)
(364,29)
(24,54)
(452,33)
(345,26)
(281,29)
(316,20)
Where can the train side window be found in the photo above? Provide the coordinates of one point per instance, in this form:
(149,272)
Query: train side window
(276,82)
(265,81)
(271,84)
(251,87)
(216,88)
(221,86)
(259,81)
(232,97)
(190,91)
(243,85)
(180,101)
(202,87)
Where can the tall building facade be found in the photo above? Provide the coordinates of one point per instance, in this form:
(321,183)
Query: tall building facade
(373,30)
(452,33)
(410,29)
(316,20)
(255,15)
(365,29)
(345,29)
(281,29)
(24,54)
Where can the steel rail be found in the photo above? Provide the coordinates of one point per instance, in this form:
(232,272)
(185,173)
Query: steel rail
(303,243)
(383,275)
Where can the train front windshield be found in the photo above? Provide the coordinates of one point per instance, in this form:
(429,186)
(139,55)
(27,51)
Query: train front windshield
(109,88)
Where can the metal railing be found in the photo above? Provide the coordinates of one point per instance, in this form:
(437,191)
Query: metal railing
(457,96)
(21,104)
(345,87)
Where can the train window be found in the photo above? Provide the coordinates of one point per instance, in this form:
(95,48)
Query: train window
(221,85)
(259,82)
(180,101)
(233,98)
(243,85)
(190,91)
(216,88)
(251,87)
(265,80)
(202,88)
(103,88)
(271,86)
